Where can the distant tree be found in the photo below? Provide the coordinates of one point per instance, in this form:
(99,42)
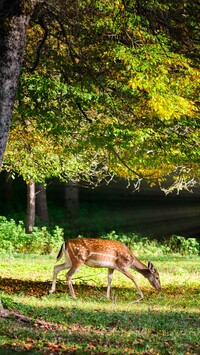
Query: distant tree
(30,213)
(71,191)
(41,204)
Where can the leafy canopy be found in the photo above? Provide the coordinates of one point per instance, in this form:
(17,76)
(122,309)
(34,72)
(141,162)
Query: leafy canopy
(116,81)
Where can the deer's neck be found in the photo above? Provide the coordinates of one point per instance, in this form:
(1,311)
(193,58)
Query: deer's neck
(140,267)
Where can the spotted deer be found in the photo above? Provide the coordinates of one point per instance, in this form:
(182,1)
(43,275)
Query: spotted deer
(102,253)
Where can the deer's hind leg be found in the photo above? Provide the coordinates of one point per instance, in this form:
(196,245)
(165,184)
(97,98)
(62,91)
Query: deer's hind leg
(57,268)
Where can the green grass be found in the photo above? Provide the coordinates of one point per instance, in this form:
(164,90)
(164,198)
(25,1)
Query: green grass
(163,323)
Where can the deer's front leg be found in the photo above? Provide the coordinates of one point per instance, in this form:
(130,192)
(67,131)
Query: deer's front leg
(110,276)
(70,273)
(130,276)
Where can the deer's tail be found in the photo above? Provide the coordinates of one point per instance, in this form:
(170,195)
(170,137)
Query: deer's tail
(62,249)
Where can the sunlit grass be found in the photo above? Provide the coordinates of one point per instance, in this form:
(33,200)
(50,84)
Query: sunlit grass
(177,270)
(163,323)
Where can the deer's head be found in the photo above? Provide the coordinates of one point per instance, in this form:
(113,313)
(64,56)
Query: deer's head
(154,278)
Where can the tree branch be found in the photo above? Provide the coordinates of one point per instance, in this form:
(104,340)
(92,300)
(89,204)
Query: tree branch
(124,163)
(41,44)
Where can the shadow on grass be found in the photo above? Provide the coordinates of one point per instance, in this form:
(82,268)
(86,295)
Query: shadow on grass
(87,326)
(73,330)
(41,288)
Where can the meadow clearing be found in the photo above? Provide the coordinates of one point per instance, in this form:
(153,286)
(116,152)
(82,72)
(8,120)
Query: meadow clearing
(163,323)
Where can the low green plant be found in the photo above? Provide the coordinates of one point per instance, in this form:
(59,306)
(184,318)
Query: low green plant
(143,245)
(13,238)
(184,246)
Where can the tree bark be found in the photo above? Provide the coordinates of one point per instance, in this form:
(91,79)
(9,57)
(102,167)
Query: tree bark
(14,19)
(41,204)
(30,215)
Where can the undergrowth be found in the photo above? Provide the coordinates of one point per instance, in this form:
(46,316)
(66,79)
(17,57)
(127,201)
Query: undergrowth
(13,238)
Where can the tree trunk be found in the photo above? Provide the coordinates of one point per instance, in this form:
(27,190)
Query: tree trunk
(30,214)
(41,204)
(72,199)
(14,18)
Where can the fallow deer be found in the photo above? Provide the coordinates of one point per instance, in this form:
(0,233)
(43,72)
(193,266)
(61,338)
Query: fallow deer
(102,253)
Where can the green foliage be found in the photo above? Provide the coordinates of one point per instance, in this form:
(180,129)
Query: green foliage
(112,85)
(143,245)
(46,137)
(14,239)
(189,246)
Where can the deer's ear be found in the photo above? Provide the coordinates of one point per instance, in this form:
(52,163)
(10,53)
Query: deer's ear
(151,267)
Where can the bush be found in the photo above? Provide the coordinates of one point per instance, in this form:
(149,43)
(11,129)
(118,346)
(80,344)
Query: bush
(184,246)
(138,244)
(143,245)
(13,238)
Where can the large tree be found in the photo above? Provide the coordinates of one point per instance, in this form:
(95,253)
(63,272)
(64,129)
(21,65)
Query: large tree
(14,19)
(131,74)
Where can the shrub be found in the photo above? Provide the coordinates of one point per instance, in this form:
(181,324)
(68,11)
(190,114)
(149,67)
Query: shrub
(13,238)
(143,245)
(139,245)
(184,246)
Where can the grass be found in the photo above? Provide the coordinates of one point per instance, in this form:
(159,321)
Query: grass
(164,323)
